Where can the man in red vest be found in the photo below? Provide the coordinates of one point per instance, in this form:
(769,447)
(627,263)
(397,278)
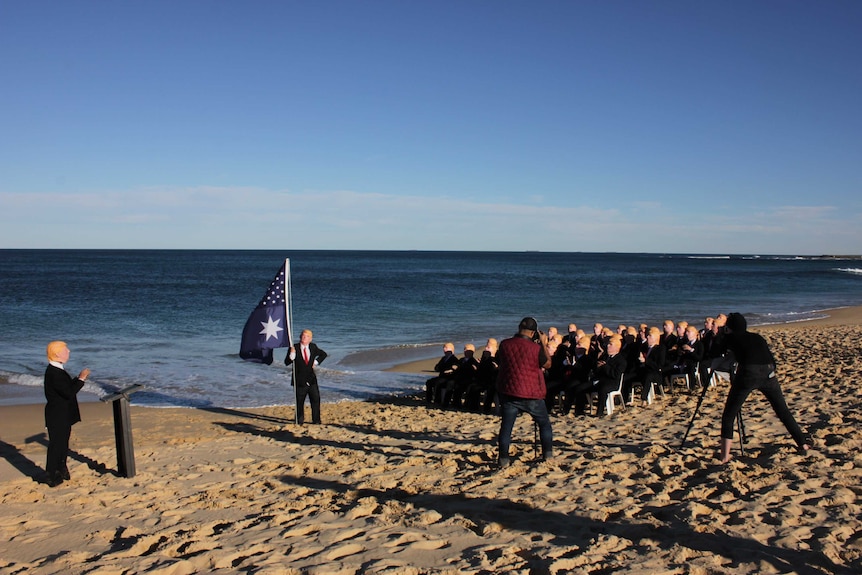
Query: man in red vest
(521,385)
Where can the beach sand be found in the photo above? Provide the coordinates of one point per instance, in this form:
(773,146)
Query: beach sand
(390,486)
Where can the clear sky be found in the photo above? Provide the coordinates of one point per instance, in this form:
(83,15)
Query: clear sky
(634,126)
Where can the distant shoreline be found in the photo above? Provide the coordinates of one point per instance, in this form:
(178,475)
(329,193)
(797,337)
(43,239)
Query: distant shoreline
(12,394)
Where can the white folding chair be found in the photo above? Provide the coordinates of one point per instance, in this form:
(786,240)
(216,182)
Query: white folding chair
(717,376)
(615,394)
(654,386)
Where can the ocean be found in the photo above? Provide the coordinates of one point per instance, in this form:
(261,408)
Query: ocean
(171,321)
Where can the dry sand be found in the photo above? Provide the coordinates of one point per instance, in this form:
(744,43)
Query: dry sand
(394,487)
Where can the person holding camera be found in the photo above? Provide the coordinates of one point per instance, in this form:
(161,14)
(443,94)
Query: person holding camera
(521,386)
(755,370)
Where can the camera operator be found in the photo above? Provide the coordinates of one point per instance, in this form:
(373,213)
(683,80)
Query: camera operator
(755,370)
(521,385)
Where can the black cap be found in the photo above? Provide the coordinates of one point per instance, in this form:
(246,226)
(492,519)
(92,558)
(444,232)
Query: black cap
(736,322)
(528,323)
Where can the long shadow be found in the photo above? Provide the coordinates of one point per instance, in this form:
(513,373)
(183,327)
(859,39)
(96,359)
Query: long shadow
(247,415)
(21,462)
(428,439)
(573,530)
(290,437)
(98,467)
(742,550)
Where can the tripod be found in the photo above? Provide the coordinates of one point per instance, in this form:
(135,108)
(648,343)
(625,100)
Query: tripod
(740,426)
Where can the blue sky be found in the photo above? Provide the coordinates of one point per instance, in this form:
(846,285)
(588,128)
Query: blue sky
(635,126)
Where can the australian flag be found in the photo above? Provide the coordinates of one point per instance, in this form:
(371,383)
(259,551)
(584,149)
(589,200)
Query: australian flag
(268,327)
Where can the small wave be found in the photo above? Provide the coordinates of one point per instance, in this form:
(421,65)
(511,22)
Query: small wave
(854,271)
(22,379)
(709,257)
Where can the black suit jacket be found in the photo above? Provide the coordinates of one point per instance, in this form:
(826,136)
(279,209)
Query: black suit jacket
(303,373)
(61,391)
(654,362)
(610,373)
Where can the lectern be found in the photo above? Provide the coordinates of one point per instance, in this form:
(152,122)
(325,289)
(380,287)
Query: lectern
(123,430)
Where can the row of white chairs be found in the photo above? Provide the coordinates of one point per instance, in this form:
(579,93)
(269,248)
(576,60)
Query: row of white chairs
(617,395)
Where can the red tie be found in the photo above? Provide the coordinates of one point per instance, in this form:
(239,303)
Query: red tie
(305,354)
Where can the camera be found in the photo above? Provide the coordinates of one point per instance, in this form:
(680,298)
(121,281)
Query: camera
(537,336)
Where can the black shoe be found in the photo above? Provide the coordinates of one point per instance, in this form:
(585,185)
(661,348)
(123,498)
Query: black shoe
(65,475)
(54,480)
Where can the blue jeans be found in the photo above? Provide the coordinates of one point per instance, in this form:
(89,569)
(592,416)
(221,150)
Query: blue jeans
(510,407)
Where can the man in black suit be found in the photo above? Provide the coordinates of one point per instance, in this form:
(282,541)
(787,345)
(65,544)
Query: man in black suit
(304,356)
(607,373)
(61,410)
(446,369)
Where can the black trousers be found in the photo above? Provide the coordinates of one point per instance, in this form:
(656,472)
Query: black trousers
(760,377)
(312,392)
(58,449)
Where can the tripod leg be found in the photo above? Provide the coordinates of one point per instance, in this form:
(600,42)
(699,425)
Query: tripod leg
(694,415)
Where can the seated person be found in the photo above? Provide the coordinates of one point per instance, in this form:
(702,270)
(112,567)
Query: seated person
(578,373)
(716,356)
(481,391)
(642,332)
(607,373)
(464,376)
(668,339)
(572,336)
(631,350)
(445,369)
(597,342)
(690,352)
(651,362)
(556,376)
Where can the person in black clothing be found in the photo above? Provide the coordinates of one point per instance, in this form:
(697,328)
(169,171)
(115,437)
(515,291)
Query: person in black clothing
(578,373)
(305,356)
(465,376)
(557,376)
(445,369)
(716,356)
(669,341)
(61,410)
(572,335)
(689,355)
(484,384)
(651,362)
(631,350)
(598,342)
(607,373)
(755,370)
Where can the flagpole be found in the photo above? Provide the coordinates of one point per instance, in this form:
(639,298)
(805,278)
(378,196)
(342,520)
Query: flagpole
(288,321)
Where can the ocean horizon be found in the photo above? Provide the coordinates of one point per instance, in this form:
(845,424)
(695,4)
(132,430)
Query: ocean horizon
(171,320)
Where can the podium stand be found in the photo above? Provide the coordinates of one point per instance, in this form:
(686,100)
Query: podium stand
(123,430)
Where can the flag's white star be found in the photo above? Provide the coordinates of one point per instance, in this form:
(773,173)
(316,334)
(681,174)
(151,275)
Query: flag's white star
(271,328)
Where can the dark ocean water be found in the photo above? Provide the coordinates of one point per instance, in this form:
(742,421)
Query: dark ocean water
(172,320)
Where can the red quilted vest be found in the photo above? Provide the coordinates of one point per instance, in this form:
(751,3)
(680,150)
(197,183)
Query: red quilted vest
(520,375)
